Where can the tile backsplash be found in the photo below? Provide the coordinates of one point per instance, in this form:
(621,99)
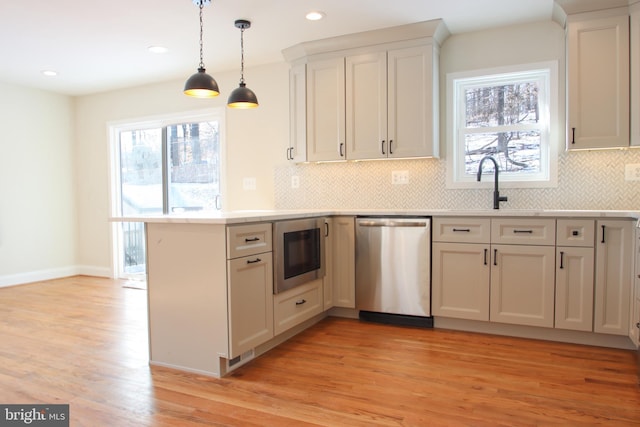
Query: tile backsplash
(592,180)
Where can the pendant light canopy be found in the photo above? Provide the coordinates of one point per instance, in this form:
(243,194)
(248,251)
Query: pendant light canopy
(201,84)
(242,96)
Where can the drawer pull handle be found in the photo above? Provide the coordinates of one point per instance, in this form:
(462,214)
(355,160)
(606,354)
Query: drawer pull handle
(523,231)
(561,259)
(301,301)
(462,230)
(249,261)
(253,239)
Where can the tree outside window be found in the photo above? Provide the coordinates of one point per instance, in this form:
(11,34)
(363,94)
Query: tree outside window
(505,116)
(162,169)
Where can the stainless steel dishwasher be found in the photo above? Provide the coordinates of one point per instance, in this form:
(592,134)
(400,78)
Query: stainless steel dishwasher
(393,268)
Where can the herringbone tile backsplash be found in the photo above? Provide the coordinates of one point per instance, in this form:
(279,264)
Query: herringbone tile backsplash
(591,180)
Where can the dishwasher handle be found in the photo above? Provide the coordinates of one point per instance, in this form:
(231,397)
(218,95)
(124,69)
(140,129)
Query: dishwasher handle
(392,223)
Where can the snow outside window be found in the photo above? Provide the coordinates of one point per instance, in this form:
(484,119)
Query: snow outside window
(504,114)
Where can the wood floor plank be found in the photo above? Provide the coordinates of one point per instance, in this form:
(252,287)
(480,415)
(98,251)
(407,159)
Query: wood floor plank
(83,341)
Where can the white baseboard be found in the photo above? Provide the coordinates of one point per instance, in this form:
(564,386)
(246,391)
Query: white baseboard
(53,273)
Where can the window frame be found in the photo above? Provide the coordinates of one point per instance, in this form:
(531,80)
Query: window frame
(548,98)
(114,128)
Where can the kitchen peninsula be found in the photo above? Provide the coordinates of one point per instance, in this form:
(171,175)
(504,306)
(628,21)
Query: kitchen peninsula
(212,306)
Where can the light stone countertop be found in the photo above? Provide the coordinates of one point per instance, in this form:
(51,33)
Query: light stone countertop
(246,216)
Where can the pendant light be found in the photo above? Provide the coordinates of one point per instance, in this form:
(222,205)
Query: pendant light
(242,96)
(201,84)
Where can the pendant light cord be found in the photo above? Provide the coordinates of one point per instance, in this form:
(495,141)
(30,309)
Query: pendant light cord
(242,55)
(201,26)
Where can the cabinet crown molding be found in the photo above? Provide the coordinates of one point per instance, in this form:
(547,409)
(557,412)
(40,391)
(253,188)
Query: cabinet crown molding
(563,8)
(434,29)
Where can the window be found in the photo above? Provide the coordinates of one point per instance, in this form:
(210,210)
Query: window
(505,114)
(161,166)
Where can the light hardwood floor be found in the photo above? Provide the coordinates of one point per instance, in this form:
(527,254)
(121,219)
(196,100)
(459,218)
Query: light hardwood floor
(83,341)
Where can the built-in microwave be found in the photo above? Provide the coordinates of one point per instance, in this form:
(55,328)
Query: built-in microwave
(298,252)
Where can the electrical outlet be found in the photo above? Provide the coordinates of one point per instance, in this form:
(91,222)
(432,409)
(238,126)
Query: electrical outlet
(399,177)
(295,181)
(632,172)
(248,183)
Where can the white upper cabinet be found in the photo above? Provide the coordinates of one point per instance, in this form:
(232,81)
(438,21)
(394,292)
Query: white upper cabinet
(297,149)
(598,79)
(390,98)
(371,95)
(366,99)
(325,110)
(634,29)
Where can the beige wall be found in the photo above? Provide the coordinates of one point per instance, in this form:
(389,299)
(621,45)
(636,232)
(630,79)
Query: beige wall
(38,234)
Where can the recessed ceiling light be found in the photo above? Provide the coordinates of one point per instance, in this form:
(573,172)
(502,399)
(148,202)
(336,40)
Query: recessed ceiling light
(49,73)
(315,15)
(157,49)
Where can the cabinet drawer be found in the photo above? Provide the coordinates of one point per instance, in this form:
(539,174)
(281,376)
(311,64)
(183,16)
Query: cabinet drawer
(464,230)
(523,231)
(251,239)
(576,232)
(297,305)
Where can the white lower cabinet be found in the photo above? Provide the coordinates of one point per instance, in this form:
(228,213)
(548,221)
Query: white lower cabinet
(522,285)
(477,277)
(575,274)
(614,246)
(250,302)
(343,250)
(249,286)
(574,288)
(296,305)
(460,292)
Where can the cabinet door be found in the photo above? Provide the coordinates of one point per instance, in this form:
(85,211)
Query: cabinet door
(412,93)
(522,284)
(574,288)
(634,30)
(297,149)
(614,248)
(634,326)
(366,103)
(461,292)
(325,110)
(598,82)
(344,261)
(327,281)
(250,302)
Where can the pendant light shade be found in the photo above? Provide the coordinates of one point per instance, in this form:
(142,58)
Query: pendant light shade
(242,96)
(201,84)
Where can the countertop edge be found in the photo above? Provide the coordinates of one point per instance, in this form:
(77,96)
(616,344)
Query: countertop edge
(246,216)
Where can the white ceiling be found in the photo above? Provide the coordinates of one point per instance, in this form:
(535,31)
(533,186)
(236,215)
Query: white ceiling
(97,45)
